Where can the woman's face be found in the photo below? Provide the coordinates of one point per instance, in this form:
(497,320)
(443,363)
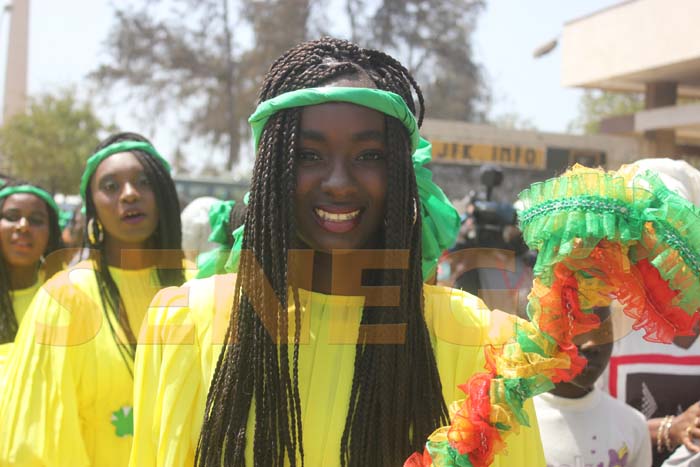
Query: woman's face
(341,177)
(24,229)
(124,201)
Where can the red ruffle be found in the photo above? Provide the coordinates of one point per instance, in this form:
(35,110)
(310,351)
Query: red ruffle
(419,460)
(470,432)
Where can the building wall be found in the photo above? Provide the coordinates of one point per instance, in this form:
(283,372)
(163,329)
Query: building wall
(460,149)
(633,42)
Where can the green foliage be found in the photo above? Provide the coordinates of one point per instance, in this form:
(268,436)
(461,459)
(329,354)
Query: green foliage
(596,105)
(49,143)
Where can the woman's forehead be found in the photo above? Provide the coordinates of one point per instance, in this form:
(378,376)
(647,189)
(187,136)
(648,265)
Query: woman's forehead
(119,163)
(343,115)
(25,201)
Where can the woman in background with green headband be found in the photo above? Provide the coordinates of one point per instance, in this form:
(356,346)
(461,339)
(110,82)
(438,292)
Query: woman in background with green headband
(317,370)
(69,380)
(28,233)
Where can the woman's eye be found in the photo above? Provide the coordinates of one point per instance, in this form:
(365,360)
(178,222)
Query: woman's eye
(371,156)
(37,221)
(306,155)
(11,216)
(110,187)
(143,181)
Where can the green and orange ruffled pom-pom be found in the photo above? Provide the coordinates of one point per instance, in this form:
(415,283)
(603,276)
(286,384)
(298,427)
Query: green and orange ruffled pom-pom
(600,236)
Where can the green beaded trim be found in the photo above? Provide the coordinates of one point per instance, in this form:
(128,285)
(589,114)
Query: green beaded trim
(580,203)
(674,239)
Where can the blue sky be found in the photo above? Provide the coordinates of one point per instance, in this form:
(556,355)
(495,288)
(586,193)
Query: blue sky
(66,40)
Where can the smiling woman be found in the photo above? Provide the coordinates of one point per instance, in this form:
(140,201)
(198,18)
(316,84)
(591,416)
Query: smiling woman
(70,375)
(335,353)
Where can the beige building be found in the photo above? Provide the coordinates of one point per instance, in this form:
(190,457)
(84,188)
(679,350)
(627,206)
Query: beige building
(460,149)
(648,46)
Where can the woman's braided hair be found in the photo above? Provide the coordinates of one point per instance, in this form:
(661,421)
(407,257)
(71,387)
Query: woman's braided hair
(167,236)
(396,397)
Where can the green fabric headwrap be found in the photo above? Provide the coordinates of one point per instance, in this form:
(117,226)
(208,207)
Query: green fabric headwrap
(385,102)
(33,190)
(122,146)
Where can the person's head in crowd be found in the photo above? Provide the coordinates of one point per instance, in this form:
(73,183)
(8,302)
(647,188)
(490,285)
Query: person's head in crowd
(130,204)
(678,176)
(29,232)
(72,234)
(596,347)
(196,228)
(336,175)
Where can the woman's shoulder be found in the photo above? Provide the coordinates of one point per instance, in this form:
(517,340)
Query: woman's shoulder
(459,317)
(196,301)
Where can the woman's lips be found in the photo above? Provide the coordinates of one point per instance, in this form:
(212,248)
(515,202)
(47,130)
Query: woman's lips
(22,245)
(134,219)
(338,220)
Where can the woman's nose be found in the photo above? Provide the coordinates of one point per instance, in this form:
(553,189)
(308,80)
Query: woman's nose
(23,224)
(129,193)
(339,180)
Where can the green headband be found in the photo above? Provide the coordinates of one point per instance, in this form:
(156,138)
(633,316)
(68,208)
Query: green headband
(386,102)
(32,190)
(102,154)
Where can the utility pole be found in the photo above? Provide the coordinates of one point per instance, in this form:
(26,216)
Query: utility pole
(17,60)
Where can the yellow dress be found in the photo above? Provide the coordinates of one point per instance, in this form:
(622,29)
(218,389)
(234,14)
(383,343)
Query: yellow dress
(69,393)
(185,329)
(20,303)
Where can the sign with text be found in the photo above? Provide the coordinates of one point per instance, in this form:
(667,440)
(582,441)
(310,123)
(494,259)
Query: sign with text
(521,157)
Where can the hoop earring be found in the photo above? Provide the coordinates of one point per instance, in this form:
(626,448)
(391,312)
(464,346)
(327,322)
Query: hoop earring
(415,212)
(95,237)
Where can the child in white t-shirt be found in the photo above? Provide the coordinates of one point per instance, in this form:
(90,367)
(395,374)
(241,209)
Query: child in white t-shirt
(582,426)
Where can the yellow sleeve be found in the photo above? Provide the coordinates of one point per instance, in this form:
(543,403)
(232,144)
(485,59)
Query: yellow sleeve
(39,405)
(167,384)
(460,326)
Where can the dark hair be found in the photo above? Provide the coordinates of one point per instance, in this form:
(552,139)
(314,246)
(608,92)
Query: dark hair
(8,321)
(391,411)
(167,236)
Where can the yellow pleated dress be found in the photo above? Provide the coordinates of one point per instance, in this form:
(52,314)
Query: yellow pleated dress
(186,326)
(21,299)
(68,395)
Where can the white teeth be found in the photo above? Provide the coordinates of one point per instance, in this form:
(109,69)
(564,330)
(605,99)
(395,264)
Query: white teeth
(333,217)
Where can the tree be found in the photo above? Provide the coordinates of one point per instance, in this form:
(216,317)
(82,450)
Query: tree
(596,105)
(183,54)
(433,39)
(513,121)
(209,58)
(50,143)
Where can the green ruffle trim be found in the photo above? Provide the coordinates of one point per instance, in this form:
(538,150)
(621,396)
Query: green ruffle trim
(676,223)
(570,214)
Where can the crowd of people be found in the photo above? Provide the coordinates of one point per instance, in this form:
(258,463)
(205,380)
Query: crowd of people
(301,325)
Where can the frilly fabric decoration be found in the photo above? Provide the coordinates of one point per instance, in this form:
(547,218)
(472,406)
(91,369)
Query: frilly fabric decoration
(600,236)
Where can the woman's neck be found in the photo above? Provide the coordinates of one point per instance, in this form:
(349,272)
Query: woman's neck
(322,273)
(22,277)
